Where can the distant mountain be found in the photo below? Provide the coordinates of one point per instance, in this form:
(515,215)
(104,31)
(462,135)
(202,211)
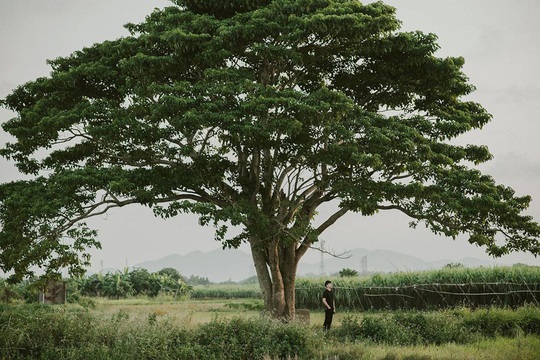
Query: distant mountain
(382,261)
(223,265)
(217,265)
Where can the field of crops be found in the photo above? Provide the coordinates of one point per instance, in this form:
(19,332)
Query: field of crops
(225,321)
(232,291)
(450,287)
(446,288)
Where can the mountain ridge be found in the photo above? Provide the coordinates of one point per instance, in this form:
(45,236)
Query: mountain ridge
(237,265)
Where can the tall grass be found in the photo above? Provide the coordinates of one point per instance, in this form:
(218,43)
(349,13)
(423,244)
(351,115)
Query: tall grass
(450,287)
(232,291)
(46,332)
(68,332)
(459,326)
(518,348)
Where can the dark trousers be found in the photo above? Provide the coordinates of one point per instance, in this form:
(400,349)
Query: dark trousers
(328,315)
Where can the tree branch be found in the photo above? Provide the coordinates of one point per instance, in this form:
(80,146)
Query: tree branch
(307,242)
(332,219)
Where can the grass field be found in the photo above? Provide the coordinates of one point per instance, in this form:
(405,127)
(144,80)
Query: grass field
(227,321)
(186,313)
(199,329)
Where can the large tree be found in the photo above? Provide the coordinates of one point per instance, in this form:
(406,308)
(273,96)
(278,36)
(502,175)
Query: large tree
(252,114)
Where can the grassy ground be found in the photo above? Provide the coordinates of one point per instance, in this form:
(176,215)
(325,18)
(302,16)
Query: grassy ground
(192,313)
(118,329)
(523,348)
(187,312)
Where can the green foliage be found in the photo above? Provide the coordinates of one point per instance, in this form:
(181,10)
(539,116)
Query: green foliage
(252,339)
(453,265)
(425,328)
(497,322)
(233,291)
(140,280)
(117,285)
(28,291)
(448,287)
(348,273)
(222,9)
(44,332)
(198,280)
(250,280)
(29,331)
(68,332)
(7,292)
(251,114)
(91,285)
(252,305)
(432,328)
(172,273)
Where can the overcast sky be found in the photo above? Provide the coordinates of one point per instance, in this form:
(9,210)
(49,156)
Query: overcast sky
(497,38)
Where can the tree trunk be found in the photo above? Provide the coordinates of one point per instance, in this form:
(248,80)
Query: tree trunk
(276,266)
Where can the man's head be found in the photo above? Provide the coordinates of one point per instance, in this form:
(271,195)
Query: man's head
(328,284)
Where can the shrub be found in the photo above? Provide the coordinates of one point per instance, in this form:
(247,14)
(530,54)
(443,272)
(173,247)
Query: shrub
(69,332)
(443,327)
(7,292)
(45,332)
(406,328)
(346,272)
(233,291)
(385,330)
(493,322)
(28,331)
(252,339)
(528,319)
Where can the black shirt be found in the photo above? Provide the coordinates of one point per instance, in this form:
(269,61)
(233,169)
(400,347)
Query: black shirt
(329,296)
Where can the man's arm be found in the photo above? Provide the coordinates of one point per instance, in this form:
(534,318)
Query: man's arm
(325,303)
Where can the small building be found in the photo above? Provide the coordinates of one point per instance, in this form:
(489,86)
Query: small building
(55,293)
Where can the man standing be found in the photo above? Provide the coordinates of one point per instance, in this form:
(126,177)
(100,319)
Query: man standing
(329,305)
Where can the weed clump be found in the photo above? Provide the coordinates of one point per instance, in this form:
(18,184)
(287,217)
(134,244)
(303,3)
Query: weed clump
(45,332)
(461,326)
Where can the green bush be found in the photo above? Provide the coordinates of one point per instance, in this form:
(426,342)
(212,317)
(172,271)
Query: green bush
(29,330)
(493,322)
(252,339)
(383,330)
(444,327)
(26,290)
(45,332)
(7,292)
(69,332)
(379,329)
(528,319)
(233,291)
(459,326)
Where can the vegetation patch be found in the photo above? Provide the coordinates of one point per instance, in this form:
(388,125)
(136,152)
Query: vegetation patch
(450,287)
(45,332)
(73,332)
(439,327)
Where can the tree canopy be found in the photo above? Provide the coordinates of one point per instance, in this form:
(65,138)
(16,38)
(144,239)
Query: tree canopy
(253,114)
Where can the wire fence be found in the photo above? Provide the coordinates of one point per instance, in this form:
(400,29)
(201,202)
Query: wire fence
(424,296)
